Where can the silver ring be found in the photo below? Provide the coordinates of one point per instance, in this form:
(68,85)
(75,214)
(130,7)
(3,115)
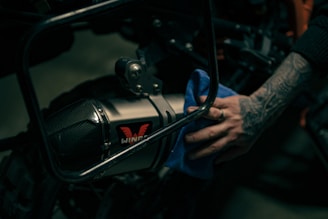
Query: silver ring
(221,117)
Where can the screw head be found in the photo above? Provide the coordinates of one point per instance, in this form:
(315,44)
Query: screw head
(139,88)
(157,23)
(135,71)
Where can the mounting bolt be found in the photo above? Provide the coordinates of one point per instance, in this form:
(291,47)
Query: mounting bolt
(139,88)
(156,88)
(135,71)
(189,46)
(157,23)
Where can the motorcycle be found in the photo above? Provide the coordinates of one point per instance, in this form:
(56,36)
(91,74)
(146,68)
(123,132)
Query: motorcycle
(98,151)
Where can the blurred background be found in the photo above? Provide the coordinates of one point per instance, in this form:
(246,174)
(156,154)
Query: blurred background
(282,177)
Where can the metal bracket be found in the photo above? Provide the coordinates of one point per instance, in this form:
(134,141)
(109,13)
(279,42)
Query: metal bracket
(134,77)
(35,114)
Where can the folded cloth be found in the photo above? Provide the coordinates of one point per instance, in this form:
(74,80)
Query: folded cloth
(198,85)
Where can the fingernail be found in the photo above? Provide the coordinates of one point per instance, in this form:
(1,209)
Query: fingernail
(192,108)
(202,98)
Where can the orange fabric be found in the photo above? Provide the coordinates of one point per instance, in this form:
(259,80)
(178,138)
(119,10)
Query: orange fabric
(300,12)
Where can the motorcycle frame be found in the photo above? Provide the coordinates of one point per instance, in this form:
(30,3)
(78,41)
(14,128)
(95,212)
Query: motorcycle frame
(34,111)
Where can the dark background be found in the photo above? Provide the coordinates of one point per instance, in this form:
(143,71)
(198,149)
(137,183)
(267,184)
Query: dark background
(282,177)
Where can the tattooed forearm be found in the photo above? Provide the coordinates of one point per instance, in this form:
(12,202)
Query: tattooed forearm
(276,93)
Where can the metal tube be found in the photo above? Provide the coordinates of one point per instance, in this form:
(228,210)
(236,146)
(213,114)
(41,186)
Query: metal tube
(35,113)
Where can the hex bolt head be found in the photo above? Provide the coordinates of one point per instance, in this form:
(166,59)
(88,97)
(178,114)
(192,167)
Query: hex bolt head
(189,46)
(135,71)
(157,23)
(139,88)
(156,88)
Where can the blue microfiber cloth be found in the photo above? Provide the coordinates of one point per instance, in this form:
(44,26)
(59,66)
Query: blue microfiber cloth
(198,85)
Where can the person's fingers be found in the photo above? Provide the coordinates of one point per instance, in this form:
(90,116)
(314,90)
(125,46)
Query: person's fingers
(217,114)
(202,99)
(214,147)
(191,109)
(218,103)
(206,134)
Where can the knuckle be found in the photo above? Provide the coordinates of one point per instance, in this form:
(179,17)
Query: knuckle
(213,148)
(211,133)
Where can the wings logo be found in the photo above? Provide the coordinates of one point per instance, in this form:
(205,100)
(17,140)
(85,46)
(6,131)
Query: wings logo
(132,133)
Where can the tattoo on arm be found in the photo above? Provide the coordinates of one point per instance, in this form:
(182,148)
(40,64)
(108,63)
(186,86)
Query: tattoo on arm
(271,99)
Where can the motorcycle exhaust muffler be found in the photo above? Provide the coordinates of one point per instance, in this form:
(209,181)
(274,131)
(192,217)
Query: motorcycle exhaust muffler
(89,131)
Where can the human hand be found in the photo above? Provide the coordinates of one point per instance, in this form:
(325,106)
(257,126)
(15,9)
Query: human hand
(246,117)
(234,134)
